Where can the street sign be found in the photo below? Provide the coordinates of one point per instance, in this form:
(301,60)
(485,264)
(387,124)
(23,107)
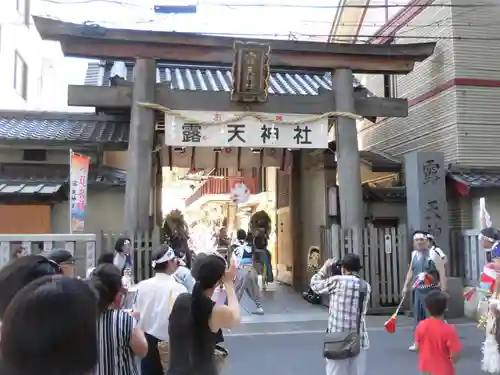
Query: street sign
(240,193)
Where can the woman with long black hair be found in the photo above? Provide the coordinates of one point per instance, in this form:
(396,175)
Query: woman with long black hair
(195,320)
(119,338)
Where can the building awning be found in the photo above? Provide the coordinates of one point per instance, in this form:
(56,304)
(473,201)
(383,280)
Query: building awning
(29,188)
(56,174)
(467,179)
(61,127)
(212,78)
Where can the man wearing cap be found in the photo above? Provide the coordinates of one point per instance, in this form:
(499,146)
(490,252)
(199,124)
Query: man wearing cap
(154,303)
(64,259)
(349,296)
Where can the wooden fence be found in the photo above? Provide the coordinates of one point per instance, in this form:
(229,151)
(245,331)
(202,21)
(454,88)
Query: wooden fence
(467,256)
(144,244)
(385,254)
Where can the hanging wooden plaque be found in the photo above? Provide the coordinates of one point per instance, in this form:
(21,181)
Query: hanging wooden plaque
(251,66)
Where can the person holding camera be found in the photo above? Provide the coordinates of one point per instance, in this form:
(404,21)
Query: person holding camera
(349,295)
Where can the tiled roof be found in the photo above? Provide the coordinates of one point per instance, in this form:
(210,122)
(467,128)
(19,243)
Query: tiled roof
(56,126)
(474,178)
(211,78)
(41,188)
(57,174)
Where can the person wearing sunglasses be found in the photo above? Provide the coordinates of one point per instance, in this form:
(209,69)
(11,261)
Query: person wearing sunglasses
(64,259)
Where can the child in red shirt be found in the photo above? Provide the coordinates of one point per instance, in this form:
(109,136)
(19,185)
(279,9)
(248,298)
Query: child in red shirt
(437,342)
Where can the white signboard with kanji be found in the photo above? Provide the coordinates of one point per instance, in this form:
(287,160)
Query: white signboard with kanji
(247,132)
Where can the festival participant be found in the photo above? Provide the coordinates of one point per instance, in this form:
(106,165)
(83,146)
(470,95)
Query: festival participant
(489,287)
(177,235)
(246,275)
(122,259)
(425,273)
(262,260)
(155,298)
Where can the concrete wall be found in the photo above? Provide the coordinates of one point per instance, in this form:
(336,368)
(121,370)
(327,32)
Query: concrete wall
(105,211)
(46,88)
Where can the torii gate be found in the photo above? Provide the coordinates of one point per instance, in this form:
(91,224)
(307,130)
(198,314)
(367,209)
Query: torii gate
(252,61)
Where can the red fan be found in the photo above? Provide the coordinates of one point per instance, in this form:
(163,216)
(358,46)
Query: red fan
(468,295)
(390,325)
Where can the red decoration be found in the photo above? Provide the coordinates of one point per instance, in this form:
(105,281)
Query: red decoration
(468,295)
(217,117)
(279,117)
(390,325)
(228,150)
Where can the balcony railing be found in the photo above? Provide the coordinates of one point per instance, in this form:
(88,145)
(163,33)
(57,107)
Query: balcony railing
(222,186)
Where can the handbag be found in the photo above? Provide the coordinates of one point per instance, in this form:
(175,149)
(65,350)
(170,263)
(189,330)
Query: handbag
(344,345)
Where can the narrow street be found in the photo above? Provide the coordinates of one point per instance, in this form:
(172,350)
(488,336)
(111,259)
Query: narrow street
(288,341)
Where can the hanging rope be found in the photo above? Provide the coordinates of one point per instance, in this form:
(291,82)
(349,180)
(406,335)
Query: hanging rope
(241,116)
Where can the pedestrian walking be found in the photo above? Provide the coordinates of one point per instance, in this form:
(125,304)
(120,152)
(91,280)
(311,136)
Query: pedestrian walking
(349,295)
(246,276)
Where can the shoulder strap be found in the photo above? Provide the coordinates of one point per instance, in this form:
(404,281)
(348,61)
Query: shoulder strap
(362,293)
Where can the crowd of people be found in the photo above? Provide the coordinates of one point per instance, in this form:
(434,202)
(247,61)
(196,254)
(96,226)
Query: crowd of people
(55,323)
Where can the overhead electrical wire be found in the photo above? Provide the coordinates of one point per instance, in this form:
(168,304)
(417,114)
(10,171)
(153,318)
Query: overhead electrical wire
(290,6)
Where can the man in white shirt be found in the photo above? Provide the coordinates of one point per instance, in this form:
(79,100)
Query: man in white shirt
(155,300)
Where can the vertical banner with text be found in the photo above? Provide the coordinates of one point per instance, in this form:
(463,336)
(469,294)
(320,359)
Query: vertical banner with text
(79,170)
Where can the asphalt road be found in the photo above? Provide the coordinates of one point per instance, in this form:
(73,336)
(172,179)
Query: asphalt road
(296,350)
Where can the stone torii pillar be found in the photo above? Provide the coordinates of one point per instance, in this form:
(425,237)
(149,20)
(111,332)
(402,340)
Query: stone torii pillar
(352,211)
(140,147)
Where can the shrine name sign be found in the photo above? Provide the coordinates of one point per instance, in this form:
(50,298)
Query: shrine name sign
(203,129)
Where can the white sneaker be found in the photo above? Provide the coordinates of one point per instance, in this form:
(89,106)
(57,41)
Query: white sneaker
(259,311)
(413,348)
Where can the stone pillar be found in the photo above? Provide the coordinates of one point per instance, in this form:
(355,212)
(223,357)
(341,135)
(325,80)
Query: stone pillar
(352,210)
(298,252)
(427,209)
(426,206)
(140,147)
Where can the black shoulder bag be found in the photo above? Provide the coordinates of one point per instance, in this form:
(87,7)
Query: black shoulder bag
(344,345)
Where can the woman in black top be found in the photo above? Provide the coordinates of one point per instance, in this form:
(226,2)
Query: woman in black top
(195,319)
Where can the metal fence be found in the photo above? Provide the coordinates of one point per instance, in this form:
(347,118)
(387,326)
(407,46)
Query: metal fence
(385,255)
(82,246)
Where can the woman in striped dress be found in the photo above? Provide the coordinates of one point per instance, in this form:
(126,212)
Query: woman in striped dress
(120,341)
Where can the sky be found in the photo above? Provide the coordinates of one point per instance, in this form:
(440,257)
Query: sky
(278,19)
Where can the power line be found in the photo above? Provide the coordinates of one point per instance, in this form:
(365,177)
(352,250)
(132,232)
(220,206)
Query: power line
(291,6)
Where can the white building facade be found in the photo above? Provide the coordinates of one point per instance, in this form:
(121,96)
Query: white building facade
(30,69)
(454,100)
